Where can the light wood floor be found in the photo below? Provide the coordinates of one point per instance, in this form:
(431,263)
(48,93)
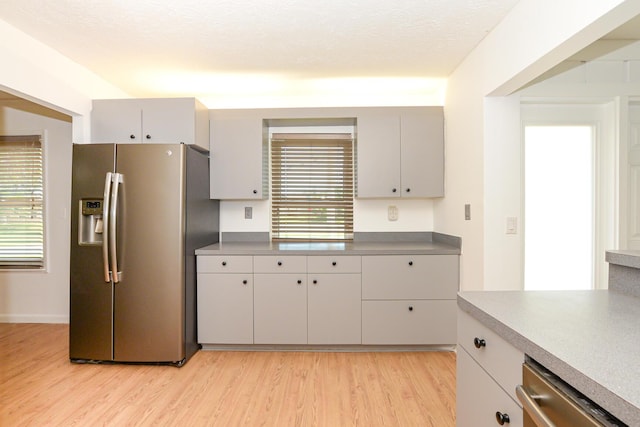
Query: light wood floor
(39,387)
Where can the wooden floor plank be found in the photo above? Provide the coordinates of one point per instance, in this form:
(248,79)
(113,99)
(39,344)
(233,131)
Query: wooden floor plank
(39,386)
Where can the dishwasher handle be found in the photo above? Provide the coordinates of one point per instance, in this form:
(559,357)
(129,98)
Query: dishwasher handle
(530,406)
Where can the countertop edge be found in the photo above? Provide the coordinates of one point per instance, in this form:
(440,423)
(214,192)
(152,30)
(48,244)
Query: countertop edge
(379,248)
(618,406)
(626,258)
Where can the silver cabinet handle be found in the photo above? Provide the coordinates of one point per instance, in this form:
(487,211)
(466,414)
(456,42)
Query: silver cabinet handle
(531,407)
(117,179)
(105,226)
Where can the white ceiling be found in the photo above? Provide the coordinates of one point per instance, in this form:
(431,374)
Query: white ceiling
(195,47)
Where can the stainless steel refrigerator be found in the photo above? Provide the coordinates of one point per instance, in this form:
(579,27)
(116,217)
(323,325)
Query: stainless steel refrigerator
(138,213)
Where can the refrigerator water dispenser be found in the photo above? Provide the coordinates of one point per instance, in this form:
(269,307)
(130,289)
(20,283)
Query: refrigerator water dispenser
(90,232)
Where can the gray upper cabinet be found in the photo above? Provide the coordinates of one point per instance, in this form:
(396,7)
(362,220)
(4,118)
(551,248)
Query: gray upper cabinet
(400,152)
(153,120)
(238,156)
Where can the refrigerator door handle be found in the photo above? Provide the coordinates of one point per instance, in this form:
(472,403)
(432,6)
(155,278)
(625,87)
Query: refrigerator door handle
(105,227)
(113,213)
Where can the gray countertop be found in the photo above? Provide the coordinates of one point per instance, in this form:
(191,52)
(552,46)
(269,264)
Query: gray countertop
(329,248)
(591,339)
(626,258)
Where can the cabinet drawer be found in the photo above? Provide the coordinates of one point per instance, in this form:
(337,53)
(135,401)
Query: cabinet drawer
(499,358)
(334,264)
(410,277)
(409,322)
(478,397)
(224,264)
(280,264)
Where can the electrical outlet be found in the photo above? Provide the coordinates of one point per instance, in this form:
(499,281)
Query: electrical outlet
(392,213)
(248,212)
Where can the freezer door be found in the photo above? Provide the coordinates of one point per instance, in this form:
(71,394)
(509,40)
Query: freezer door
(91,299)
(149,297)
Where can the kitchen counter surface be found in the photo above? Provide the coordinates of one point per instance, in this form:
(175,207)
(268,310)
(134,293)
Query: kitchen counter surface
(591,339)
(625,258)
(330,248)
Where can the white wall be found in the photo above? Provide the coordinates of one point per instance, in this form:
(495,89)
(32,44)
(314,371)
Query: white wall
(480,131)
(42,296)
(38,73)
(368,215)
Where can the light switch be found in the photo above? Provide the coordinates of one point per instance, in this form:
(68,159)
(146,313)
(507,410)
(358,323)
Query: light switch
(467,212)
(248,212)
(512,225)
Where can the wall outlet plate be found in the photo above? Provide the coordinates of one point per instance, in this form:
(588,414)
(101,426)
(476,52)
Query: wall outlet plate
(392,213)
(248,212)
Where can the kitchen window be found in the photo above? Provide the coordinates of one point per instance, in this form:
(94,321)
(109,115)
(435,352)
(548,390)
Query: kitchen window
(312,186)
(21,202)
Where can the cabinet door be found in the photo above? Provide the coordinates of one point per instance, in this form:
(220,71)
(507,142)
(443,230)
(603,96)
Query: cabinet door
(116,120)
(225,308)
(238,158)
(422,153)
(280,309)
(378,155)
(334,305)
(168,120)
(478,397)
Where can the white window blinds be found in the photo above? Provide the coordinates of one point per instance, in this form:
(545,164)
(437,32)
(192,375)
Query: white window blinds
(21,202)
(312,186)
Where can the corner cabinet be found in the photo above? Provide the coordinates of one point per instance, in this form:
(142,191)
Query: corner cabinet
(488,371)
(400,152)
(151,120)
(239,158)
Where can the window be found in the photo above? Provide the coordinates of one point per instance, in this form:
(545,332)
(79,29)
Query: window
(21,202)
(312,186)
(559,201)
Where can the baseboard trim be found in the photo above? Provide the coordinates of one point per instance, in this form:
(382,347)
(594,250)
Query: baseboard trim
(32,318)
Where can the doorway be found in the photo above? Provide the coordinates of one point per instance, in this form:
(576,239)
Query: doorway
(568,194)
(558,207)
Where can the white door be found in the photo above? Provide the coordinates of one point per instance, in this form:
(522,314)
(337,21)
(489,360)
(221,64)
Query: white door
(569,195)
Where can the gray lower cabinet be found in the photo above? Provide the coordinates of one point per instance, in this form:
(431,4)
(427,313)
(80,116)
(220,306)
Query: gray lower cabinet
(225,299)
(280,309)
(334,307)
(327,300)
(408,322)
(280,300)
(225,308)
(334,300)
(488,370)
(409,299)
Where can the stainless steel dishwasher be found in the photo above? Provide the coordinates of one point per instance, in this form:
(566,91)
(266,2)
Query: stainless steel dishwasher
(547,401)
